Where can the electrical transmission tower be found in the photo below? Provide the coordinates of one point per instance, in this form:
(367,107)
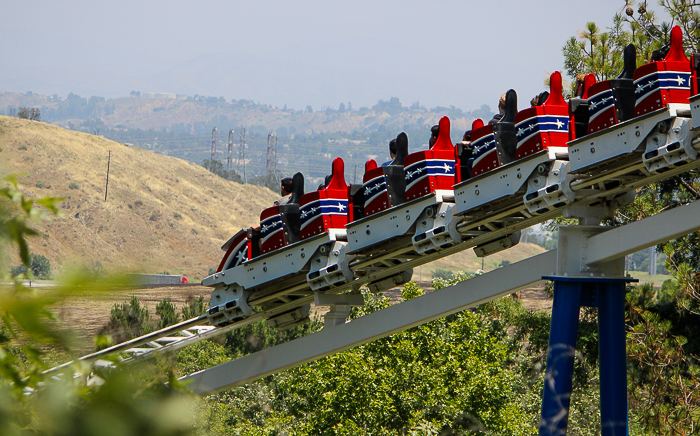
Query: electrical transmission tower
(272,160)
(229,165)
(213,146)
(241,154)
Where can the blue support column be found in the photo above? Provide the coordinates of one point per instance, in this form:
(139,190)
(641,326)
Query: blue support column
(561,353)
(612,358)
(570,293)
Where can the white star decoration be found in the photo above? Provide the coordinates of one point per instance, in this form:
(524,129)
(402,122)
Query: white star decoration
(559,124)
(241,257)
(680,80)
(594,105)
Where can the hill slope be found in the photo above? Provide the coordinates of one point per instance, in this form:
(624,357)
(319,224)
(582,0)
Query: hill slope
(161,213)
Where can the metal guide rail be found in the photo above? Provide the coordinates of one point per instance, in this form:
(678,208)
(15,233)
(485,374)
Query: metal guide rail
(539,188)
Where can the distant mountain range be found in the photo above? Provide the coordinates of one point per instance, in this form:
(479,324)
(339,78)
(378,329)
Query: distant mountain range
(181,126)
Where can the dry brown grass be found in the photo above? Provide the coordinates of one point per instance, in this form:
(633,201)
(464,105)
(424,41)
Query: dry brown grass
(161,213)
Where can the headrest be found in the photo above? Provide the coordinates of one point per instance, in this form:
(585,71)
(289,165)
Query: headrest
(675,52)
(444,142)
(370,165)
(477,124)
(511,107)
(630,62)
(297,188)
(401,149)
(337,177)
(541,98)
(555,97)
(588,81)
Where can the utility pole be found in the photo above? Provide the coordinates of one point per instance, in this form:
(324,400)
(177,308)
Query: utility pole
(241,154)
(109,159)
(213,148)
(229,165)
(271,158)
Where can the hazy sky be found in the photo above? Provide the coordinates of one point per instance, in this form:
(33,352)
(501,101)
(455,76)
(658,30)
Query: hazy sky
(298,53)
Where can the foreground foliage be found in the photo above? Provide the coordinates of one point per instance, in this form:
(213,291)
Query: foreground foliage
(452,375)
(32,402)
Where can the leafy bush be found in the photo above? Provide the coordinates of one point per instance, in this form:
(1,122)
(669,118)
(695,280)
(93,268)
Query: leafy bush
(128,321)
(442,274)
(73,185)
(194,307)
(168,316)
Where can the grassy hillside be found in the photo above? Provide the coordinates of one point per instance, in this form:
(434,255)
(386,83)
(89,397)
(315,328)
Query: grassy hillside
(161,213)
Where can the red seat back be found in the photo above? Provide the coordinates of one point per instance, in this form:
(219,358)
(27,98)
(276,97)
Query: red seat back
(375,189)
(327,209)
(271,230)
(543,126)
(483,148)
(237,251)
(434,169)
(662,82)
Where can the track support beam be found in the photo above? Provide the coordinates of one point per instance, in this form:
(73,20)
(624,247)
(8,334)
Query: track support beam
(579,283)
(399,317)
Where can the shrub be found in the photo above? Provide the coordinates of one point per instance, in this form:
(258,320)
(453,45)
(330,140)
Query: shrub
(442,274)
(168,316)
(177,216)
(73,185)
(127,321)
(195,307)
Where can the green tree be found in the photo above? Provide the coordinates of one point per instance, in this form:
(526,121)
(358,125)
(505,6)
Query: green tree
(167,313)
(35,114)
(217,168)
(600,52)
(23,113)
(39,265)
(194,307)
(127,321)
